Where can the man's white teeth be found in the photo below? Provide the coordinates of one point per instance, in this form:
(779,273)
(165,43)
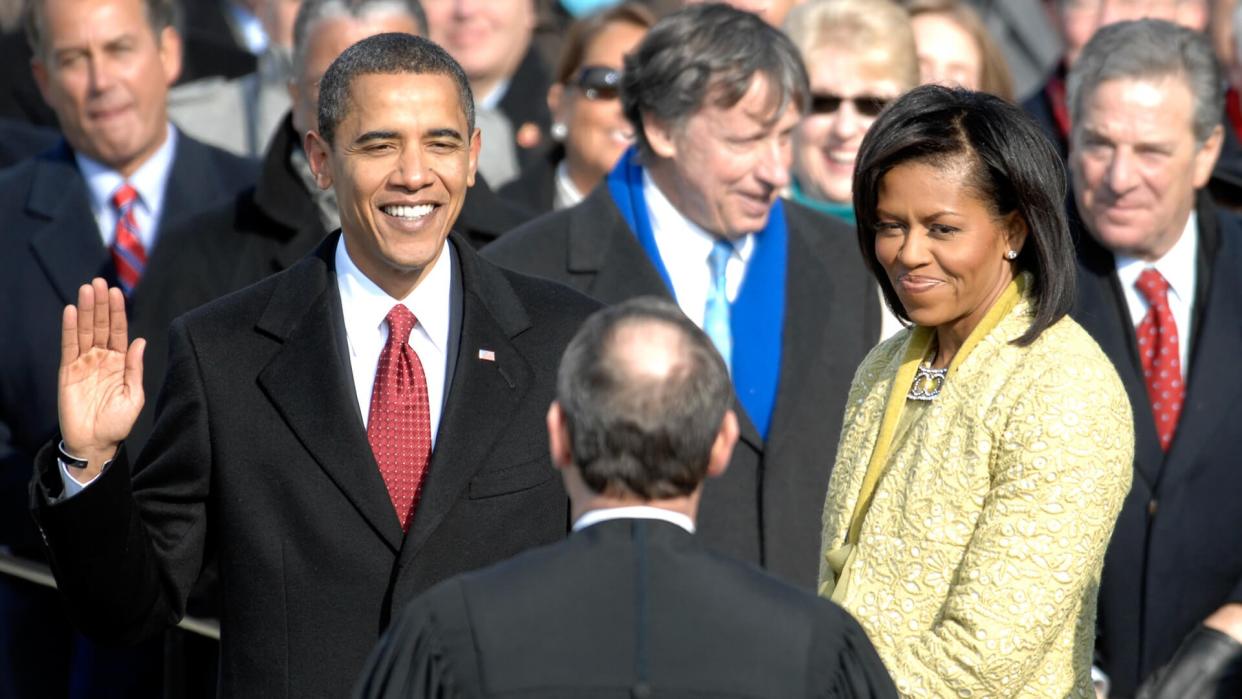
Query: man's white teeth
(411,212)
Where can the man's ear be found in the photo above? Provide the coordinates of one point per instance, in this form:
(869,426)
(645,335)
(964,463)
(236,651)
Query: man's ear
(319,153)
(660,137)
(476,143)
(170,54)
(39,70)
(722,448)
(1205,158)
(558,437)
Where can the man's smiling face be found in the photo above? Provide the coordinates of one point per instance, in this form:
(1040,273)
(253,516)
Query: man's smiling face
(401,161)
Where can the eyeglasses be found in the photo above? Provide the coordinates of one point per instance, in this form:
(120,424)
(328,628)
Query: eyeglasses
(598,82)
(824,103)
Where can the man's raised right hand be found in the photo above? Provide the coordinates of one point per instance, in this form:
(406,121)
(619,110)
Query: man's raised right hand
(100,391)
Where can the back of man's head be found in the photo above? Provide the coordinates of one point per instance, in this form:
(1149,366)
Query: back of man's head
(643,393)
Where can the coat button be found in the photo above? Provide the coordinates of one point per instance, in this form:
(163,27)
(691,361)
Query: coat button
(1152,506)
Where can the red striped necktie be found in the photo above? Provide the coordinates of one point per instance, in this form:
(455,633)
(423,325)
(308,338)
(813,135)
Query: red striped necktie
(128,254)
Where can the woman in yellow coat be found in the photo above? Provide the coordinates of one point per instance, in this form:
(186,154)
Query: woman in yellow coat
(987,448)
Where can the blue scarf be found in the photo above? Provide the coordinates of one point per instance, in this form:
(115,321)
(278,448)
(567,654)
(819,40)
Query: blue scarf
(756,316)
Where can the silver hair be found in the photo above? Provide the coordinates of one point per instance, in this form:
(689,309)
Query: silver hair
(1151,48)
(314,10)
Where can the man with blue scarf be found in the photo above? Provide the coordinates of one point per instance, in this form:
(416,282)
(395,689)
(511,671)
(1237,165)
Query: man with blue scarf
(693,213)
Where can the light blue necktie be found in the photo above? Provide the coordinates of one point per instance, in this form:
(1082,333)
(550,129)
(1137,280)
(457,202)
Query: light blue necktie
(716,315)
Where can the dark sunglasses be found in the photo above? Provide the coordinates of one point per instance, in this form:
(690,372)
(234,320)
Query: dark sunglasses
(824,103)
(598,82)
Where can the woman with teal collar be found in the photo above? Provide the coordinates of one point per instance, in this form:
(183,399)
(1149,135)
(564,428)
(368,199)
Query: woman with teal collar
(860,55)
(987,447)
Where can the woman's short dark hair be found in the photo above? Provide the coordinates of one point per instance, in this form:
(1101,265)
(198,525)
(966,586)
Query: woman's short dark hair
(1012,167)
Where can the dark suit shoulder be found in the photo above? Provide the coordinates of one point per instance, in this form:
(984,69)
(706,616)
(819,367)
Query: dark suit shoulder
(229,171)
(530,247)
(549,300)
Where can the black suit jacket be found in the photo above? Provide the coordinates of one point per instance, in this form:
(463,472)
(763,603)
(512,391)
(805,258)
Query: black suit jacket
(766,507)
(628,607)
(50,246)
(259,456)
(1174,557)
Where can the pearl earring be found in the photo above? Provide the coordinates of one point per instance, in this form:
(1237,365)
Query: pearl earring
(1011,255)
(559,131)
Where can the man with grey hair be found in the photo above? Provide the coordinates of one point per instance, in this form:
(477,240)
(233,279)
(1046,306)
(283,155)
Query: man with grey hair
(1159,292)
(339,436)
(631,604)
(694,213)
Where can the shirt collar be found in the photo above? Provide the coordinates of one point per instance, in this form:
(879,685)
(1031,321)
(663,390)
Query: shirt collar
(633,512)
(697,244)
(492,99)
(368,305)
(149,180)
(1177,266)
(567,193)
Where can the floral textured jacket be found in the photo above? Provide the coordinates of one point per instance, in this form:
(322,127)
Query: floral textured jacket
(978,562)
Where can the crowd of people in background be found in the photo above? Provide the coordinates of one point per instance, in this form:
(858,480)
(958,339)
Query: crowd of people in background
(942,349)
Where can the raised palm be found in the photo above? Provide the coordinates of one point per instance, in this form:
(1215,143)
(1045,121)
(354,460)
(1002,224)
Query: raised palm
(100,391)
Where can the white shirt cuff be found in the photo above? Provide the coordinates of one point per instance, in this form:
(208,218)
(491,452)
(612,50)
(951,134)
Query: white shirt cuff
(72,485)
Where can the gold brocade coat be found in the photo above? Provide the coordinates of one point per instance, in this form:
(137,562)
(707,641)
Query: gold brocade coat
(978,561)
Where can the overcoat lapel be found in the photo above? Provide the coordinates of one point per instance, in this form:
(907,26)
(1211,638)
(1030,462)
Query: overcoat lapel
(1213,362)
(485,391)
(68,246)
(309,383)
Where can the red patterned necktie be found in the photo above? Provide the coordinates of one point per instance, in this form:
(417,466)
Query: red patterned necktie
(127,252)
(399,424)
(1158,350)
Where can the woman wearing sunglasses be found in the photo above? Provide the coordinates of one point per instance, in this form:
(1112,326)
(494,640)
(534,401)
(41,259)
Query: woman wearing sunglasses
(860,56)
(589,131)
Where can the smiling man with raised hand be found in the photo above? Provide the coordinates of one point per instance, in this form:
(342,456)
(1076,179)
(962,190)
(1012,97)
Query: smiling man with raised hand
(694,213)
(339,436)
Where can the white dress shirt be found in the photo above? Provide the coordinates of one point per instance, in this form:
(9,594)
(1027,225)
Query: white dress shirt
(567,193)
(365,306)
(150,181)
(633,512)
(1179,268)
(684,248)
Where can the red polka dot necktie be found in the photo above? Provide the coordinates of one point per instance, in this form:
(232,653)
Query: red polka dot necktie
(1158,350)
(399,423)
(127,252)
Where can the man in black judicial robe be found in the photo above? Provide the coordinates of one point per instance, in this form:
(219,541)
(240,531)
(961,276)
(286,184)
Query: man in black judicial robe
(631,604)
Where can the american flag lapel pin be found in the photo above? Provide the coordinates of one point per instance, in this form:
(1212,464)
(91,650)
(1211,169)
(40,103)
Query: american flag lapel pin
(487,355)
